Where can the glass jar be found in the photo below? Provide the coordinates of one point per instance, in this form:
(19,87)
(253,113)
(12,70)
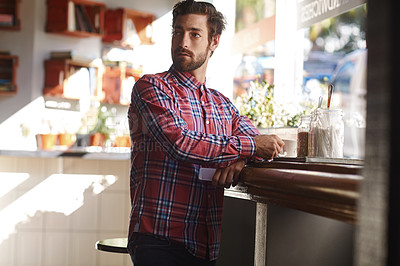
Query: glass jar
(326,137)
(302,136)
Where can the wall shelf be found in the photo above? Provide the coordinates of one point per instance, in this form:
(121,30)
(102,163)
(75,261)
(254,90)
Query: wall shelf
(77,18)
(118,82)
(9,15)
(8,74)
(122,25)
(70,79)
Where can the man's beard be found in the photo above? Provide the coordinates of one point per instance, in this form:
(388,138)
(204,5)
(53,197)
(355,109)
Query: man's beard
(183,65)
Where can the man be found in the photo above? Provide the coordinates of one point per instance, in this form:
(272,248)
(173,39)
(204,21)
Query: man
(179,126)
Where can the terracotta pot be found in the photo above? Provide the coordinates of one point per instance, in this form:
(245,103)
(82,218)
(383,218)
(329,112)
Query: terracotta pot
(46,141)
(122,141)
(97,139)
(66,139)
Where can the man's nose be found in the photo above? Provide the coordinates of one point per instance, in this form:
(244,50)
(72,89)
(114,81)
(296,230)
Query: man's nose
(184,41)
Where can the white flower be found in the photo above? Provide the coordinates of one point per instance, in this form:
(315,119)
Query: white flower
(261,108)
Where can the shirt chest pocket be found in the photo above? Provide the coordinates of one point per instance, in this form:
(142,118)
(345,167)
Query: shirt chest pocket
(222,120)
(223,127)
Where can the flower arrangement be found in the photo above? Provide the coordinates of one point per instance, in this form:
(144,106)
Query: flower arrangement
(261,108)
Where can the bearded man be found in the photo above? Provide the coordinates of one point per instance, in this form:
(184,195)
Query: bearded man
(178,126)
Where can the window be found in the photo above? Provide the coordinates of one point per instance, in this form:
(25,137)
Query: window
(335,52)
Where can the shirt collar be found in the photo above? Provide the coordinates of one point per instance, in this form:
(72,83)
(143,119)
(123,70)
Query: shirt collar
(186,78)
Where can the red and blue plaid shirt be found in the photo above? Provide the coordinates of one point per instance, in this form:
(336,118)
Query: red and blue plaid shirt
(177,126)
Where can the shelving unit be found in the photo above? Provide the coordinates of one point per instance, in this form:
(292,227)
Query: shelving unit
(9,15)
(78,18)
(121,25)
(8,74)
(118,82)
(86,18)
(70,79)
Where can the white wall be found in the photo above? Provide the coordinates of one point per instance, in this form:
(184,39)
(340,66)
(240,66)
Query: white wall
(222,65)
(32,44)
(20,43)
(156,7)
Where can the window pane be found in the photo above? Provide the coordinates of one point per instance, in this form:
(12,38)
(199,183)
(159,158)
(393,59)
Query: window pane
(335,53)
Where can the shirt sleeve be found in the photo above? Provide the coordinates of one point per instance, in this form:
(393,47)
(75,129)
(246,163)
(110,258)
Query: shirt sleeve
(242,126)
(153,102)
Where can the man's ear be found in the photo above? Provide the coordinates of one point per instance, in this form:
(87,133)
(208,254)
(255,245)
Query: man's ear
(214,43)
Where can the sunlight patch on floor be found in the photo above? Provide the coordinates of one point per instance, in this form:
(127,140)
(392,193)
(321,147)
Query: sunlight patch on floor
(61,193)
(9,181)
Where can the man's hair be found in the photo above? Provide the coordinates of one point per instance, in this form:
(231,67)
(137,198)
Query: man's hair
(216,20)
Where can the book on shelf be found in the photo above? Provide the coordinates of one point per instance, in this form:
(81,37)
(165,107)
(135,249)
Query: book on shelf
(6,20)
(71,16)
(69,54)
(61,54)
(4,52)
(6,85)
(88,24)
(79,19)
(5,81)
(79,23)
(4,88)
(93,81)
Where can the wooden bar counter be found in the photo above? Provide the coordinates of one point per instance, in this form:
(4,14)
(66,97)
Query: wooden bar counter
(325,187)
(322,188)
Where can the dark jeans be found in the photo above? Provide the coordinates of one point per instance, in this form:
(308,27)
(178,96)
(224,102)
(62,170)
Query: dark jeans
(146,250)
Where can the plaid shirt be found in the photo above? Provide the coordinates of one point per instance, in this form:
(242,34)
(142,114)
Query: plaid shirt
(177,126)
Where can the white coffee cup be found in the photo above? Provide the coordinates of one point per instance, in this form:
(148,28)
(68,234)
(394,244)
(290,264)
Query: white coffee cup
(289,149)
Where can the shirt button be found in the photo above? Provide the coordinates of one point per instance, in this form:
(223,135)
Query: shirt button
(207,122)
(202,102)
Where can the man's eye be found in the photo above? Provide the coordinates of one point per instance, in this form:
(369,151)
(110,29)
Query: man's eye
(196,35)
(176,33)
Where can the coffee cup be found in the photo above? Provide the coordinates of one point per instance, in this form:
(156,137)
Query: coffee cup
(289,149)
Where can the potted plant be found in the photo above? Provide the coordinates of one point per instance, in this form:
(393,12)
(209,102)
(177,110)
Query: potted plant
(102,129)
(47,137)
(262,110)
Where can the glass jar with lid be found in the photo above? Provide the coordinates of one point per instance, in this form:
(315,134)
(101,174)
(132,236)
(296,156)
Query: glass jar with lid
(326,137)
(302,136)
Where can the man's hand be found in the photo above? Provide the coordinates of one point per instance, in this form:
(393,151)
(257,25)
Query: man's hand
(229,175)
(268,146)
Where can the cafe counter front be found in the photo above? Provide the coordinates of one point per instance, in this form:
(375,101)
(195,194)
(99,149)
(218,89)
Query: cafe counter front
(319,186)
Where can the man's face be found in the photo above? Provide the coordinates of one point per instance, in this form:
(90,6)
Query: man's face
(190,46)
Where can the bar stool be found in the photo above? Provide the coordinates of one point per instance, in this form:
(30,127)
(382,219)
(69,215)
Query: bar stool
(115,245)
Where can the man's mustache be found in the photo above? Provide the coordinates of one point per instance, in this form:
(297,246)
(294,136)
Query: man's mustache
(183,50)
